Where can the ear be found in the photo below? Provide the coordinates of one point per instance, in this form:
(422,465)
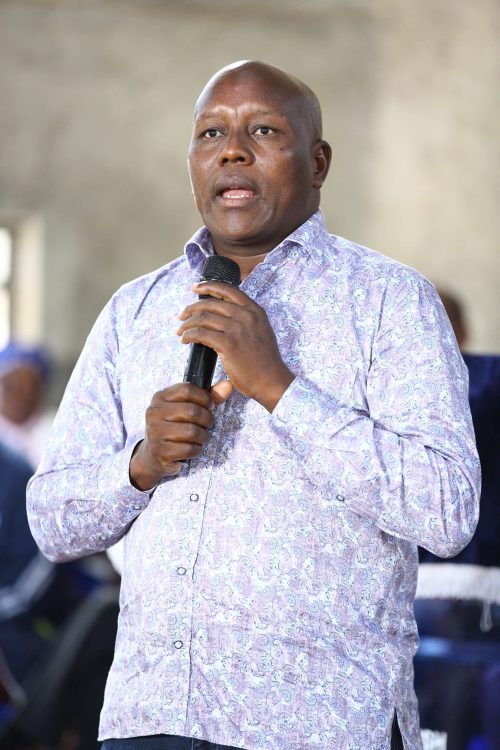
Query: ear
(322,157)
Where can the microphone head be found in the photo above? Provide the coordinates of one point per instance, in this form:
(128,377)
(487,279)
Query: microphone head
(219,268)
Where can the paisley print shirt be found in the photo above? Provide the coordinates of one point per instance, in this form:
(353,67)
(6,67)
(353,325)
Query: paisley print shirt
(267,590)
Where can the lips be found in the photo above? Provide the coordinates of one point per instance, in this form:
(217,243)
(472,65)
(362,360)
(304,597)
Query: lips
(234,189)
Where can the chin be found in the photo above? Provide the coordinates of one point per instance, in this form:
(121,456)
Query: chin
(239,230)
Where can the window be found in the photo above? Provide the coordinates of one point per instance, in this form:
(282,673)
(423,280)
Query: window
(22,261)
(5,285)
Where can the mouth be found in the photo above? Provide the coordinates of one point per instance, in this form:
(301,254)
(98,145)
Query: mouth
(235,192)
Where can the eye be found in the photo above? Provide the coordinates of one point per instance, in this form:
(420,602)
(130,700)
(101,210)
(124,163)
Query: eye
(211,133)
(264,130)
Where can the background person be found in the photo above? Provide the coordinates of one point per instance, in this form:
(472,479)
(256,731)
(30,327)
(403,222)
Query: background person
(29,606)
(270,525)
(38,599)
(459,600)
(24,421)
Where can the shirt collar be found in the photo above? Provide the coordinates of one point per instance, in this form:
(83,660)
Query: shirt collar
(312,236)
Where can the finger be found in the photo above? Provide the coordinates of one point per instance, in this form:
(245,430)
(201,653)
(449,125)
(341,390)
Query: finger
(221,290)
(212,306)
(173,468)
(203,319)
(221,391)
(181,411)
(178,452)
(216,340)
(183,392)
(178,432)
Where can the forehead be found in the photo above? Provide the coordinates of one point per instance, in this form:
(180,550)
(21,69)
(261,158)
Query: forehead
(21,371)
(240,92)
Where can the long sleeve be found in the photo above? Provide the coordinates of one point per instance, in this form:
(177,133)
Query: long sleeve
(81,501)
(407,461)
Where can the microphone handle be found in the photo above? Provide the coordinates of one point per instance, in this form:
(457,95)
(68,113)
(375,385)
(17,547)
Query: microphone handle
(201,366)
(201,363)
(202,359)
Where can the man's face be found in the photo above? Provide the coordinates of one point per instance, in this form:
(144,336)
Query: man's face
(251,163)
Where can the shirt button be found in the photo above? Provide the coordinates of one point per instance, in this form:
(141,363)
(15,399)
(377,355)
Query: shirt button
(340,498)
(136,507)
(194,497)
(178,644)
(181,571)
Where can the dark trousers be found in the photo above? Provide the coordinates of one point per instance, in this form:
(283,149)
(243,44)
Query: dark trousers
(162,742)
(173,742)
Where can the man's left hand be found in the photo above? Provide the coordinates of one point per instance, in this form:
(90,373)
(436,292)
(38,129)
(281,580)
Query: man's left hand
(239,331)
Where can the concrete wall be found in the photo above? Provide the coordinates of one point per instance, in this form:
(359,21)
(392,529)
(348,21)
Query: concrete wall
(95,113)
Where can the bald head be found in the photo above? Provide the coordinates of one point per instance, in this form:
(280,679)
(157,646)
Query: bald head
(284,86)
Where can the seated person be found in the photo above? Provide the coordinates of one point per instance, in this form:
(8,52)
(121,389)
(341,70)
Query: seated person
(457,600)
(25,575)
(24,424)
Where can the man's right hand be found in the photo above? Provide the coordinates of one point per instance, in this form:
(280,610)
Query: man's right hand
(177,422)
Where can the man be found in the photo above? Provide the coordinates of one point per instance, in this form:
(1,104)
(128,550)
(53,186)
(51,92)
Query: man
(271,525)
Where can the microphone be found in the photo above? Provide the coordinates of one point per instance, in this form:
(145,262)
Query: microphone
(201,363)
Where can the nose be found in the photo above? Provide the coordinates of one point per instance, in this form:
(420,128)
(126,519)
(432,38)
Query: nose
(236,149)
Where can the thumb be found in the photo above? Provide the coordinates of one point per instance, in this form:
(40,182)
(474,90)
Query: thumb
(221,391)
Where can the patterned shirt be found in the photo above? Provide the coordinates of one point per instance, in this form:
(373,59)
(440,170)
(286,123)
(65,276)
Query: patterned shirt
(267,590)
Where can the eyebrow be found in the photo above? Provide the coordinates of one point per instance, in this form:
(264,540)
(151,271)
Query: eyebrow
(220,110)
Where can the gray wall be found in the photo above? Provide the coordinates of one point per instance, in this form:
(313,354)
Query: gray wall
(95,114)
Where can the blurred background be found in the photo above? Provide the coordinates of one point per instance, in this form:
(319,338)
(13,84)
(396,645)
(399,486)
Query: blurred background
(96,100)
(95,118)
